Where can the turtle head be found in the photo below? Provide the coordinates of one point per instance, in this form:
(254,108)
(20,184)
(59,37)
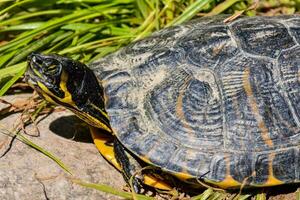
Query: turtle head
(69,83)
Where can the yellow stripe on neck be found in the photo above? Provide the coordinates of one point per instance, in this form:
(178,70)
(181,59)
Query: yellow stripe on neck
(63,86)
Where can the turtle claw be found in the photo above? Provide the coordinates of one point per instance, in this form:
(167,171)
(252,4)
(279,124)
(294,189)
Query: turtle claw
(137,185)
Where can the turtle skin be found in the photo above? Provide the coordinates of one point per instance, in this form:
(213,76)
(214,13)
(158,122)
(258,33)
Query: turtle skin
(212,101)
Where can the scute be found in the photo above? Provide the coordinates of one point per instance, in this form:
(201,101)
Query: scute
(294,25)
(263,37)
(207,46)
(211,100)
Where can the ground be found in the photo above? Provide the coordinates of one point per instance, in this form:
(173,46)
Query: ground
(26,173)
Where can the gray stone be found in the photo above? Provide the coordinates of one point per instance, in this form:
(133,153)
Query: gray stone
(26,173)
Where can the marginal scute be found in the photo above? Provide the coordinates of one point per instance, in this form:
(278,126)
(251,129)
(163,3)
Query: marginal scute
(261,167)
(131,130)
(191,161)
(211,99)
(219,167)
(294,26)
(162,152)
(285,165)
(262,36)
(241,168)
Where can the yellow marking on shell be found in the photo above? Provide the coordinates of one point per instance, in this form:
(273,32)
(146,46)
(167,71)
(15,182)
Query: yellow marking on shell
(101,140)
(179,107)
(145,159)
(184,175)
(228,182)
(272,180)
(180,175)
(254,107)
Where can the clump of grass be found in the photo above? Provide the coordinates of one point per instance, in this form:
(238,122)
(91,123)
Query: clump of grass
(87,30)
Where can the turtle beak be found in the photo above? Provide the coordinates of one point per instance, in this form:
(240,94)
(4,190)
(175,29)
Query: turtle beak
(34,69)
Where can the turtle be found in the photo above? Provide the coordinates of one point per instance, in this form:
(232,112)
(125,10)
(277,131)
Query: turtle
(201,102)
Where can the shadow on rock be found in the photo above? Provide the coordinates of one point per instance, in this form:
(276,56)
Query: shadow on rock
(71,127)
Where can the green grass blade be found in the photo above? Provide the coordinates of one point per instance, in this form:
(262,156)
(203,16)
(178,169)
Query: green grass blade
(93,44)
(12,70)
(261,196)
(79,26)
(204,196)
(218,196)
(143,8)
(222,7)
(34,46)
(6,57)
(111,190)
(242,197)
(17,4)
(53,24)
(45,152)
(23,26)
(190,12)
(298,194)
(9,83)
(30,15)
(104,51)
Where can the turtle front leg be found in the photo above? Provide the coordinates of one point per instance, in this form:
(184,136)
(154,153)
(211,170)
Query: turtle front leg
(105,144)
(129,166)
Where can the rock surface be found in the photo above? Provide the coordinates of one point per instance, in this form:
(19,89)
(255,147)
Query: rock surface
(25,173)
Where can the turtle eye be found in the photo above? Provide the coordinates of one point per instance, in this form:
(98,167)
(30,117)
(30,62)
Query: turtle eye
(52,68)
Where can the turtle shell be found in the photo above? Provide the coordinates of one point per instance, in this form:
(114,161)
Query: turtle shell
(210,100)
